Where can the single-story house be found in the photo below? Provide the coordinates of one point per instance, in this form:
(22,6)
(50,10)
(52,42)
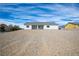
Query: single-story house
(41,25)
(71,26)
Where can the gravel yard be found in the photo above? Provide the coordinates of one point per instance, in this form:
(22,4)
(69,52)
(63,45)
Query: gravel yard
(40,43)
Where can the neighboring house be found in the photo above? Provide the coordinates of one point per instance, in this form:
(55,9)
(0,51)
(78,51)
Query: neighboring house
(71,26)
(41,25)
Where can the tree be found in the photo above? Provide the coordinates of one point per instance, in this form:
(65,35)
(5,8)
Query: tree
(3,27)
(10,27)
(15,27)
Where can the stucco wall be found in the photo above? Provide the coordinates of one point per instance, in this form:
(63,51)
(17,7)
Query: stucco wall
(30,27)
(45,27)
(51,27)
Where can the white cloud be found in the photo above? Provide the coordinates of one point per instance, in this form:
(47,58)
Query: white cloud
(59,11)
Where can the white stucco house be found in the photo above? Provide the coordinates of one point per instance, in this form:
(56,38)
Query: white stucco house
(41,25)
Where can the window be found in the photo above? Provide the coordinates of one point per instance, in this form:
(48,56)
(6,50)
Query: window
(48,26)
(34,26)
(27,26)
(40,26)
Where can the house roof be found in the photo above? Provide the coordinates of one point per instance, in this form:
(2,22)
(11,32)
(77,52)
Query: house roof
(40,23)
(73,23)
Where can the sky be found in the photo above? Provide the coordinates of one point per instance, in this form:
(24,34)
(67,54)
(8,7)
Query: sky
(20,13)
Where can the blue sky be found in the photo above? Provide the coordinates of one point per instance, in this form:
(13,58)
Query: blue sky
(19,13)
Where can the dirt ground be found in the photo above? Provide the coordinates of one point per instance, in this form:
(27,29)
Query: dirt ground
(40,43)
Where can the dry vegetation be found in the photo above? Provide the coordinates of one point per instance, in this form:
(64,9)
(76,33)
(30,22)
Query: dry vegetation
(40,42)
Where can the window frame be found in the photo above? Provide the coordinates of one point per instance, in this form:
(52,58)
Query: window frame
(48,26)
(27,26)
